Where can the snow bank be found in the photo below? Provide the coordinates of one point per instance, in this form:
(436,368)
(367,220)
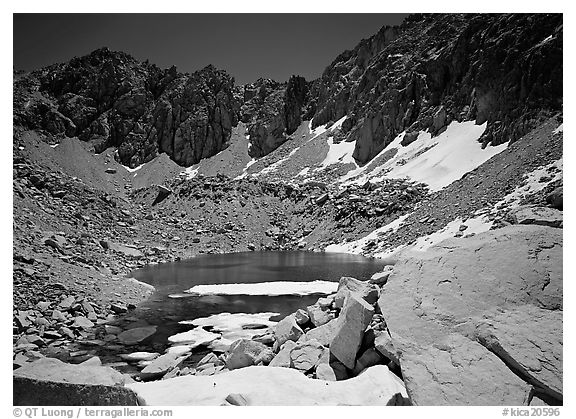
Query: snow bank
(191,172)
(338,153)
(273,386)
(437,161)
(267,288)
(453,153)
(129,169)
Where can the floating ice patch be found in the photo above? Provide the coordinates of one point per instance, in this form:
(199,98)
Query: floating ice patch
(338,153)
(179,349)
(194,337)
(267,288)
(356,247)
(234,326)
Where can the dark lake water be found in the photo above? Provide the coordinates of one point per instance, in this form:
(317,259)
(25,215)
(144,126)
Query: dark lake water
(172,279)
(246,267)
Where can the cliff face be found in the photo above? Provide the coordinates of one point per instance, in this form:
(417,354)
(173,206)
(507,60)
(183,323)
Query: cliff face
(111,99)
(502,69)
(505,70)
(273,111)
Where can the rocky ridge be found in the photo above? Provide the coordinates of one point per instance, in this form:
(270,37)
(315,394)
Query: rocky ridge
(431,70)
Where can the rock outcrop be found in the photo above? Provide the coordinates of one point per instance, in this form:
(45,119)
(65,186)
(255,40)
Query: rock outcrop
(471,328)
(111,99)
(52,382)
(502,69)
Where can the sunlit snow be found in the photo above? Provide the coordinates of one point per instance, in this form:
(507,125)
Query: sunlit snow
(267,288)
(437,161)
(338,153)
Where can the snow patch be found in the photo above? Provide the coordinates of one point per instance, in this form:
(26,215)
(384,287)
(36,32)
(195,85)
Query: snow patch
(437,161)
(338,123)
(532,184)
(267,288)
(356,247)
(51,145)
(190,172)
(475,225)
(559,129)
(303,172)
(245,170)
(316,131)
(129,169)
(338,153)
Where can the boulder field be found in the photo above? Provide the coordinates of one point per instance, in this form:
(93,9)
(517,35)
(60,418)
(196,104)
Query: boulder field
(454,325)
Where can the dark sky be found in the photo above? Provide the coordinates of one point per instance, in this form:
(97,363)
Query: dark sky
(247,46)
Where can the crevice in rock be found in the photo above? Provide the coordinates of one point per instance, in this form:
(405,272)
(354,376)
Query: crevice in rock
(540,390)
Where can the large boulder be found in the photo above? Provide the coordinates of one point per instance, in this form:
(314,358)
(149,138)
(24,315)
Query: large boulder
(323,334)
(49,381)
(161,365)
(349,285)
(136,335)
(556,198)
(544,216)
(534,351)
(383,344)
(287,329)
(282,358)
(319,315)
(246,352)
(352,323)
(306,355)
(270,386)
(466,317)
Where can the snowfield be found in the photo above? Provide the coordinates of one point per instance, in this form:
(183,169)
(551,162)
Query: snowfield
(437,161)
